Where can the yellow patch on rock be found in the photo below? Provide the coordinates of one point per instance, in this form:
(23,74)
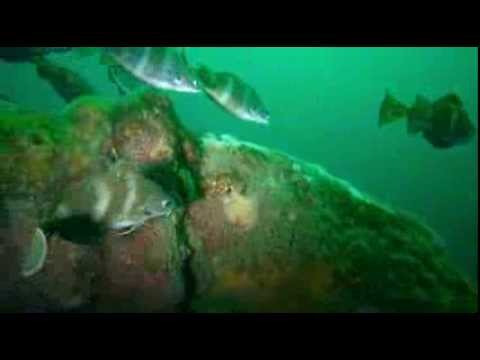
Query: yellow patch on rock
(240,210)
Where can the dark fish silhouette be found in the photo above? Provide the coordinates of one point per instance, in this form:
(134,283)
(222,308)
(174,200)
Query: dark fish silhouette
(444,123)
(68,84)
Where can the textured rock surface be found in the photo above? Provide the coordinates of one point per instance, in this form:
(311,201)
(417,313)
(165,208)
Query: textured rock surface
(257,231)
(276,234)
(143,272)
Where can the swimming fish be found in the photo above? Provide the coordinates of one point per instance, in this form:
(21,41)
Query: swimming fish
(233,95)
(118,197)
(163,68)
(68,84)
(28,54)
(123,80)
(444,123)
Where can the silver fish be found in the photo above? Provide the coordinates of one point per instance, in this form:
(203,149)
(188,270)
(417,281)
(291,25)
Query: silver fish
(119,197)
(233,95)
(123,80)
(161,67)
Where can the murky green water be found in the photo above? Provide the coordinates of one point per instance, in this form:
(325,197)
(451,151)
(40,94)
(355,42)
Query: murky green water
(324,104)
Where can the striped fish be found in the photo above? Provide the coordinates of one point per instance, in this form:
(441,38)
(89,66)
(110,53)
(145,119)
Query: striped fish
(233,95)
(119,198)
(164,68)
(123,80)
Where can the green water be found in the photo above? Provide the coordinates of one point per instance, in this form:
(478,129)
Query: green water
(324,104)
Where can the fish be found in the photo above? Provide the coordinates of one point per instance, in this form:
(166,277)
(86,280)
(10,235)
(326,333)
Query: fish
(28,54)
(125,82)
(233,95)
(164,68)
(443,123)
(117,197)
(68,84)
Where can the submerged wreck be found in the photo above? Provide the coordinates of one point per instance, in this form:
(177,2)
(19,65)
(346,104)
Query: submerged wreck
(255,230)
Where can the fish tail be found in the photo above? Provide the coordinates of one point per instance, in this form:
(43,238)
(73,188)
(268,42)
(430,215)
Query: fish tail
(202,71)
(193,70)
(392,110)
(203,76)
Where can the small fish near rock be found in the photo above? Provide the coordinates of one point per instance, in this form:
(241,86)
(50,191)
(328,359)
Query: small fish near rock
(164,68)
(118,198)
(233,95)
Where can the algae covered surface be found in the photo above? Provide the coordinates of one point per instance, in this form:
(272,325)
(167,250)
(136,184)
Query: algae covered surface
(257,230)
(252,227)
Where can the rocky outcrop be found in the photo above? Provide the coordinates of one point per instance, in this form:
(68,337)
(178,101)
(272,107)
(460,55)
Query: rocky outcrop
(256,230)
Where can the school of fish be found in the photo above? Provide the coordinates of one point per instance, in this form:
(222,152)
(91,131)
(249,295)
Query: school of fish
(120,199)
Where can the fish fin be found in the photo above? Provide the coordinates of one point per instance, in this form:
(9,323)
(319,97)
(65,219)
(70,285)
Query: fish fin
(203,74)
(125,82)
(112,76)
(35,256)
(453,99)
(392,110)
(183,55)
(184,58)
(420,115)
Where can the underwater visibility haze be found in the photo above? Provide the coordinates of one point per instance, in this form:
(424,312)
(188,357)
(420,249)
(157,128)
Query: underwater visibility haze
(258,169)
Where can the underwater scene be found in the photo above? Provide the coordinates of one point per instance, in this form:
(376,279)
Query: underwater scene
(238,180)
